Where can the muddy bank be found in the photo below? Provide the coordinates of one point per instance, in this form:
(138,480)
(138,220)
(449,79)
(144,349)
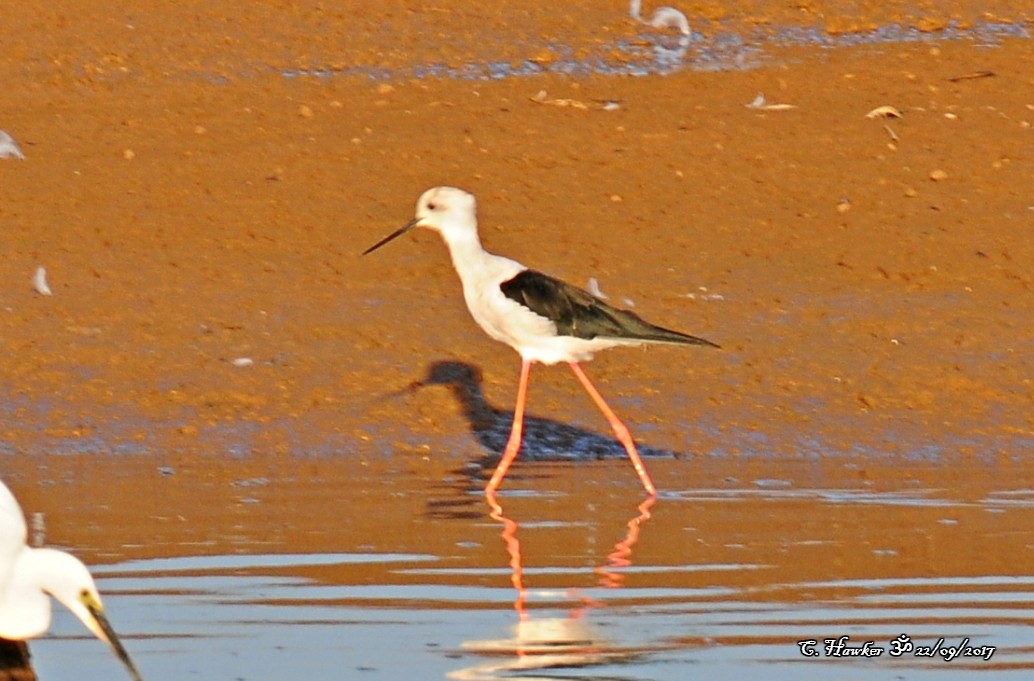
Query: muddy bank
(867,278)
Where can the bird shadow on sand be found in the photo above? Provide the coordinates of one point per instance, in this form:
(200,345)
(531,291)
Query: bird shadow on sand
(544,439)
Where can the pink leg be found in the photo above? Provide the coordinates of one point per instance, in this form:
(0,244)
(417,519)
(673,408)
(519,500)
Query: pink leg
(624,437)
(621,556)
(513,445)
(513,547)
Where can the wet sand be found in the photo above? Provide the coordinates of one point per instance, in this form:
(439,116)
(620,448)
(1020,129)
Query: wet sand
(868,279)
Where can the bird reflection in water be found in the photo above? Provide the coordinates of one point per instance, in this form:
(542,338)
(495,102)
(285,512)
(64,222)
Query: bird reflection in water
(553,642)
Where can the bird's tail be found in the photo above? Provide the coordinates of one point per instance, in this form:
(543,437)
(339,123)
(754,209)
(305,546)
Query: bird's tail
(631,326)
(658,334)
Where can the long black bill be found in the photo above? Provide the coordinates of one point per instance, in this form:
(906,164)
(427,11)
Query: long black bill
(397,233)
(113,641)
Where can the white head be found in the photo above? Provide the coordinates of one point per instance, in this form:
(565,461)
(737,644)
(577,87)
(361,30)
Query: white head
(449,211)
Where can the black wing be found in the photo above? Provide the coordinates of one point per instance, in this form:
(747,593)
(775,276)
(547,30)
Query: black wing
(579,314)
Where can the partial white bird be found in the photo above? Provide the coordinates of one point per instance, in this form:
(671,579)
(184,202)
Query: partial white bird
(8,147)
(663,17)
(39,282)
(28,577)
(542,318)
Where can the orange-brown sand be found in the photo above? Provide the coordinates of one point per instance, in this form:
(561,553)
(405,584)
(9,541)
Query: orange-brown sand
(870,280)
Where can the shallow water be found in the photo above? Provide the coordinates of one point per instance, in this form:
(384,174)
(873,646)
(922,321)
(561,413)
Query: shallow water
(719,581)
(653,53)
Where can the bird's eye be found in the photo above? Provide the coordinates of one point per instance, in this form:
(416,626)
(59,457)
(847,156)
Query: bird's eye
(432,206)
(84,594)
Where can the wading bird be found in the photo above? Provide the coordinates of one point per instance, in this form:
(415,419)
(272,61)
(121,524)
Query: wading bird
(29,577)
(544,319)
(662,17)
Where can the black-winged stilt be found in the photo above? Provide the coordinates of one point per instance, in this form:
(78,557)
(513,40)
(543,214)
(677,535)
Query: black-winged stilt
(544,319)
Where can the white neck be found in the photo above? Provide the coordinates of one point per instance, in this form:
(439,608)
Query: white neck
(465,249)
(24,607)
